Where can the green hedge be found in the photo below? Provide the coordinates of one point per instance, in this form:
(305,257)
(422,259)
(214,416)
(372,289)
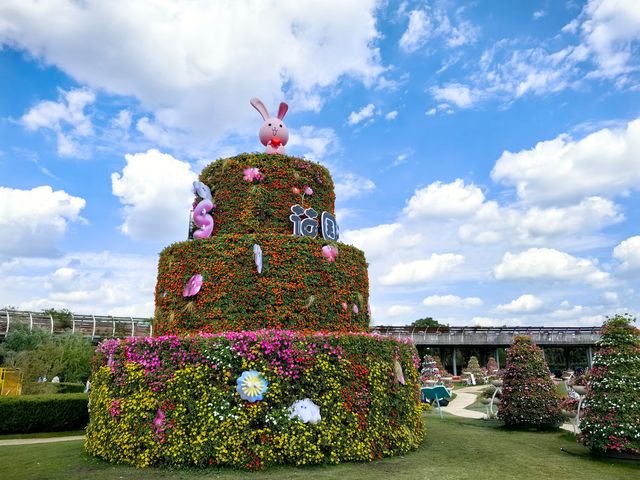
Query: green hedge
(43,413)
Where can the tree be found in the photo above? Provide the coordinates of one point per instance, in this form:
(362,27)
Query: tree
(529,398)
(611,420)
(427,322)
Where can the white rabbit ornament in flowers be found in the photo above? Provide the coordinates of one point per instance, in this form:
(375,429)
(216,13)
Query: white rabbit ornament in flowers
(274,133)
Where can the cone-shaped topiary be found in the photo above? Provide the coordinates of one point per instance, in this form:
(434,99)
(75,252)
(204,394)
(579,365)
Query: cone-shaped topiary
(611,420)
(492,366)
(529,398)
(474,367)
(430,370)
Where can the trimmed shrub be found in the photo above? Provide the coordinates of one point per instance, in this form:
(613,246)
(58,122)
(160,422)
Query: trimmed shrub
(175,401)
(611,420)
(529,398)
(43,413)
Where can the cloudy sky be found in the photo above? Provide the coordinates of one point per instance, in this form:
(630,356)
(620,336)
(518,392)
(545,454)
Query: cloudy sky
(486,154)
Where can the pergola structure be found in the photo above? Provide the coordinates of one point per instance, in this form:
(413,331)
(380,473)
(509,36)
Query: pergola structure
(456,342)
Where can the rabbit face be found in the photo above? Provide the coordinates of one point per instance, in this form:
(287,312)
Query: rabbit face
(274,133)
(273,128)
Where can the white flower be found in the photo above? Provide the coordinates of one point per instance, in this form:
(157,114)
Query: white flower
(305,410)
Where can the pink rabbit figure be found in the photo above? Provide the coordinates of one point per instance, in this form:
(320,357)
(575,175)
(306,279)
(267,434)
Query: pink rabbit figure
(274,133)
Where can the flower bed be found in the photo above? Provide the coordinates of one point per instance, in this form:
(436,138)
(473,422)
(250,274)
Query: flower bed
(253,399)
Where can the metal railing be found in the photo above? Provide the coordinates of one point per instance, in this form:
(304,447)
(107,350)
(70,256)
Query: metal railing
(492,336)
(95,327)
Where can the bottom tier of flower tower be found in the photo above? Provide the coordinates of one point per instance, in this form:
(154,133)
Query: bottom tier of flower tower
(254,399)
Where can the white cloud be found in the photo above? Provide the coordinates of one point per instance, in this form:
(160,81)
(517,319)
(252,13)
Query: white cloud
(350,185)
(519,225)
(437,24)
(399,310)
(313,143)
(538,14)
(155,189)
(628,252)
(392,115)
(66,118)
(193,77)
(524,304)
(612,32)
(417,31)
(418,271)
(381,240)
(494,322)
(451,301)
(590,214)
(364,113)
(101,283)
(32,222)
(610,297)
(604,163)
(548,263)
(439,200)
(460,95)
(122,121)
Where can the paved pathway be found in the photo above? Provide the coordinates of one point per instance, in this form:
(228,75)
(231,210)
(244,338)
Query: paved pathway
(31,441)
(464,397)
(467,396)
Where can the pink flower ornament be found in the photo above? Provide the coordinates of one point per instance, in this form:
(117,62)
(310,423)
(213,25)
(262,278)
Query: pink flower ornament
(307,190)
(251,174)
(192,287)
(330,252)
(355,308)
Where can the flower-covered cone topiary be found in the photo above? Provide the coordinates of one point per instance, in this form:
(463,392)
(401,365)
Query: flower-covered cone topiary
(430,370)
(611,420)
(474,367)
(529,398)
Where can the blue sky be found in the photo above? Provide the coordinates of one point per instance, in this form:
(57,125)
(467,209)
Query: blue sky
(486,154)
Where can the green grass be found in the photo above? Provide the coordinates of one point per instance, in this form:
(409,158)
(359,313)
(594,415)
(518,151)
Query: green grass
(455,448)
(26,436)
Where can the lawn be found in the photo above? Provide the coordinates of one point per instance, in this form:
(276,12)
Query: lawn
(455,449)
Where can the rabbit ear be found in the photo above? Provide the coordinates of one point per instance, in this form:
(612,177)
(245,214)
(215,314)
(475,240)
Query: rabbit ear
(258,105)
(282,111)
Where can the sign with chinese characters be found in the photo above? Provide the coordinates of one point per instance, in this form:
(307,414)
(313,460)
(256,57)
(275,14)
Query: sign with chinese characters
(305,223)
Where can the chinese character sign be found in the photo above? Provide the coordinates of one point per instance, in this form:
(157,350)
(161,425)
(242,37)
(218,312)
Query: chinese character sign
(305,223)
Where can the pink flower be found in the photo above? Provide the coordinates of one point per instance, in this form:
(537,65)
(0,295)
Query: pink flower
(330,252)
(345,307)
(251,174)
(307,190)
(355,308)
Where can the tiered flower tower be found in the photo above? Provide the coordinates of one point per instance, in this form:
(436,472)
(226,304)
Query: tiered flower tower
(261,354)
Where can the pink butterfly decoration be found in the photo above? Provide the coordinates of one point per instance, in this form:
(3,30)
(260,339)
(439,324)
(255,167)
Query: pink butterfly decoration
(192,287)
(330,252)
(307,190)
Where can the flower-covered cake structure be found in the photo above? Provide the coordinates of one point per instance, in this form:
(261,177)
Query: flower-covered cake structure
(261,354)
